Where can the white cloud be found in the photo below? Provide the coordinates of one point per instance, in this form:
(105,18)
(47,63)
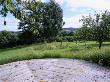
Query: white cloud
(83,7)
(73,21)
(60,1)
(94,4)
(11,23)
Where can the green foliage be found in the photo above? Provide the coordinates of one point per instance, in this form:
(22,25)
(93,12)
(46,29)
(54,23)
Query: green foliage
(43,20)
(33,16)
(101,30)
(101,57)
(67,33)
(99,27)
(84,34)
(8,39)
(66,36)
(52,20)
(26,38)
(11,6)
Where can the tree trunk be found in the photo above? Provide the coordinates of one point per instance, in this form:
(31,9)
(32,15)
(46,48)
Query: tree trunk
(61,42)
(76,41)
(100,45)
(85,43)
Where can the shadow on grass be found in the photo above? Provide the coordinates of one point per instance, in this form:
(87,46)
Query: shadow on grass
(17,47)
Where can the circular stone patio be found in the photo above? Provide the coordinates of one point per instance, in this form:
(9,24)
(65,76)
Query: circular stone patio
(53,70)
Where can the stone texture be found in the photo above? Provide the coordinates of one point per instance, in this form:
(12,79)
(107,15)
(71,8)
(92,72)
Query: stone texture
(53,70)
(16,72)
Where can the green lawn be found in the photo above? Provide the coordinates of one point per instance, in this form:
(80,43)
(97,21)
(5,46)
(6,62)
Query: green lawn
(55,50)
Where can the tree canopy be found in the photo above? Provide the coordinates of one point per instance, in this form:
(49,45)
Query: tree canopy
(45,19)
(100,26)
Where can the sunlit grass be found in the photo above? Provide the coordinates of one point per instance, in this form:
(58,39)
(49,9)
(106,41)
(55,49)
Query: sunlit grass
(56,50)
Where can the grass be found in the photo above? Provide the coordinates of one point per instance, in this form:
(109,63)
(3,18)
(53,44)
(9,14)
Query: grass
(56,50)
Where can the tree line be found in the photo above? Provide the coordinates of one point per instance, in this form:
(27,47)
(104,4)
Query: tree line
(43,21)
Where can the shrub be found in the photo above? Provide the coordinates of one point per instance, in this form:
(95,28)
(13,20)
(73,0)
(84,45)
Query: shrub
(101,57)
(8,39)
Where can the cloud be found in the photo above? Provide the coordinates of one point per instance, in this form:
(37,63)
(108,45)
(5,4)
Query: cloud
(60,1)
(83,7)
(11,23)
(94,4)
(9,20)
(73,21)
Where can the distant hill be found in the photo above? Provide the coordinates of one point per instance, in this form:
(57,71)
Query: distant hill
(65,29)
(70,29)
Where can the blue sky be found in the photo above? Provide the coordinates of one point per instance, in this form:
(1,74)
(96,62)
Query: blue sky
(73,10)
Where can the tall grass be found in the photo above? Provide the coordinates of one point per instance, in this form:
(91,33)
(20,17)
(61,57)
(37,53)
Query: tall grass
(56,50)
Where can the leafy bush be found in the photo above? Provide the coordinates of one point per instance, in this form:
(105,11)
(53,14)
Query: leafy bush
(68,38)
(101,57)
(65,39)
(8,39)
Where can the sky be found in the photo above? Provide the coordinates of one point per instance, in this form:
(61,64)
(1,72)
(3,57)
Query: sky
(73,10)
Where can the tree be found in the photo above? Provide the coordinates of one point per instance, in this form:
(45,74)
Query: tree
(32,16)
(7,5)
(8,39)
(84,34)
(100,26)
(52,20)
(77,36)
(44,19)
(12,6)
(85,30)
(31,22)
